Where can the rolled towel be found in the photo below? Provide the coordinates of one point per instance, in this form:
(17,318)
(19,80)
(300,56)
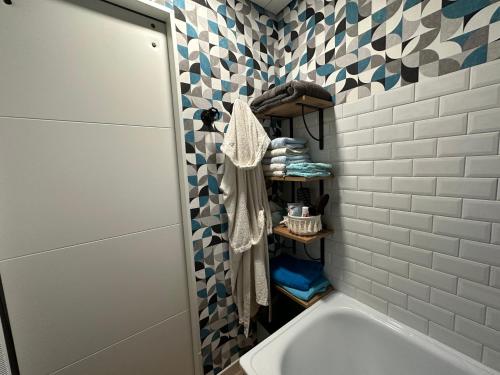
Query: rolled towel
(275,173)
(287,142)
(274,167)
(288,92)
(286,151)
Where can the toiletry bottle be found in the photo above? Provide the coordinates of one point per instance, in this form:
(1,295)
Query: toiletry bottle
(305,211)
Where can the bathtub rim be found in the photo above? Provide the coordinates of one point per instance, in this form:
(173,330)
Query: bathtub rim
(340,301)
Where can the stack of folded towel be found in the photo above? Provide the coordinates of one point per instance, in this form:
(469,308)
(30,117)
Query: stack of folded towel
(283,152)
(301,278)
(290,157)
(288,92)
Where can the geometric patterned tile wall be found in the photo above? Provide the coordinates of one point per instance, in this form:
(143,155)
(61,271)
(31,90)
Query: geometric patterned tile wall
(363,47)
(232,49)
(225,51)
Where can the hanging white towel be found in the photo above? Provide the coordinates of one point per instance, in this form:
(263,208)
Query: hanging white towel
(247,206)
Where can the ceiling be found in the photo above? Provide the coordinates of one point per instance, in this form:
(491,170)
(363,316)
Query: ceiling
(274,6)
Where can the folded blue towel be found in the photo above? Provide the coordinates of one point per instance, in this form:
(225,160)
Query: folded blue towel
(285,142)
(319,286)
(295,273)
(288,159)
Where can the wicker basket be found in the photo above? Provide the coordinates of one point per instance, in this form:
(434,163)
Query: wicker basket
(304,226)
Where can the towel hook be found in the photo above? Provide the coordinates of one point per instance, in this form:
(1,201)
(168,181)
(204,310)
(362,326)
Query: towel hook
(209,116)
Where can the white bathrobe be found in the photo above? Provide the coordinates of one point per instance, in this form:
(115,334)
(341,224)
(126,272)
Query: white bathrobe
(247,206)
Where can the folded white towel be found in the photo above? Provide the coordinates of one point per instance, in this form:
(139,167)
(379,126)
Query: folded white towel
(286,151)
(285,141)
(273,167)
(274,173)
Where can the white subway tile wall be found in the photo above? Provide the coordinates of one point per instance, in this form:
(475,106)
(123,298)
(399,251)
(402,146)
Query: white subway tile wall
(417,212)
(447,84)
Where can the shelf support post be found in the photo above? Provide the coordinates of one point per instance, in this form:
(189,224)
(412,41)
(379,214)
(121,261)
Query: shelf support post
(321,130)
(322,241)
(290,121)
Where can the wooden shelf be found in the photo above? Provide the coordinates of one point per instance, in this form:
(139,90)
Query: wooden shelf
(294,109)
(282,230)
(297,178)
(304,304)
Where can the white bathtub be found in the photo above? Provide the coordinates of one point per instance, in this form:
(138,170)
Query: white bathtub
(340,336)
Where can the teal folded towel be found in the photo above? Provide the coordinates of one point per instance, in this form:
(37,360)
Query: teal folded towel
(309,169)
(318,286)
(307,174)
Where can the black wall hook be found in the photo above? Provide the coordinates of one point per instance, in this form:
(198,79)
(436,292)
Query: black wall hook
(209,116)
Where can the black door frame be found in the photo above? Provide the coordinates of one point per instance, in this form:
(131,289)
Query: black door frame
(7,332)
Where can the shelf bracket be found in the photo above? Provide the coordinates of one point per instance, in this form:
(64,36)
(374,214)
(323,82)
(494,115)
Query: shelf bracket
(320,137)
(7,330)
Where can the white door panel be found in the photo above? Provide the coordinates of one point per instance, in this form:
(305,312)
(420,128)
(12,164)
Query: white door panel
(71,60)
(66,183)
(67,304)
(91,251)
(161,350)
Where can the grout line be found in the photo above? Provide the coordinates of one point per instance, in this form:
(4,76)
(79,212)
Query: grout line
(469,83)
(137,333)
(84,122)
(88,242)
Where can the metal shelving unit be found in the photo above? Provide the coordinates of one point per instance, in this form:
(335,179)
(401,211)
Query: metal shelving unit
(299,107)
